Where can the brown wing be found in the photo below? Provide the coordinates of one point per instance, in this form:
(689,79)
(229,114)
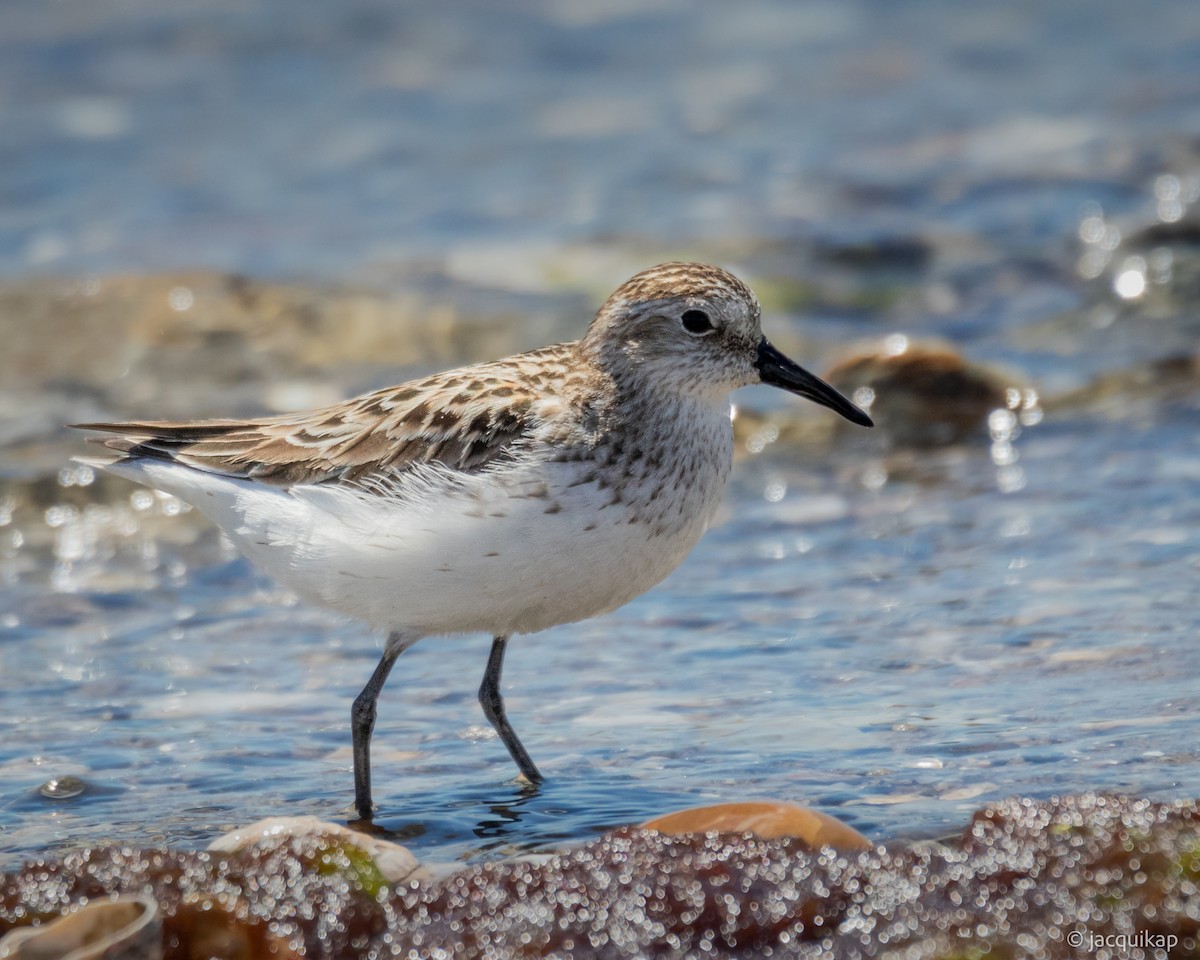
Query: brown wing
(463,419)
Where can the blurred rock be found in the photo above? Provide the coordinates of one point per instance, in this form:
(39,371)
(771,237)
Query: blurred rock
(1066,877)
(925,395)
(1123,393)
(768,819)
(910,254)
(208,343)
(854,277)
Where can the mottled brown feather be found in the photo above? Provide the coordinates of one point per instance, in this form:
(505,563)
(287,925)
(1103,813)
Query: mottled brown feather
(433,420)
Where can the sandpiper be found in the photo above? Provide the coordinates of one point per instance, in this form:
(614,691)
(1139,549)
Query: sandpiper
(505,497)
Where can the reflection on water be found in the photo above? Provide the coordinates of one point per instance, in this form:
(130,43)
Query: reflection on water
(977,217)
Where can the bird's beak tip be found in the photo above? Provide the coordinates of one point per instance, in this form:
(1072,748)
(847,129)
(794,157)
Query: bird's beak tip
(779,371)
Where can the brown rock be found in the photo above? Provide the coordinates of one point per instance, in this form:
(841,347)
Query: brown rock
(769,819)
(214,339)
(925,395)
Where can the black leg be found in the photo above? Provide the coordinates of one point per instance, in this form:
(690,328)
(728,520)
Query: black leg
(493,709)
(362,721)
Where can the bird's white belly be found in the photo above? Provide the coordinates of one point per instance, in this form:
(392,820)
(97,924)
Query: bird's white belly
(511,569)
(538,550)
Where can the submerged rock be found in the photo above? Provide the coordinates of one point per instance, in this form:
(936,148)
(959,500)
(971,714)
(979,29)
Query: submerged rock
(1069,877)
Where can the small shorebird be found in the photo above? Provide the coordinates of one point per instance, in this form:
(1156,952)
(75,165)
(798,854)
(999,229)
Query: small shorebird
(504,497)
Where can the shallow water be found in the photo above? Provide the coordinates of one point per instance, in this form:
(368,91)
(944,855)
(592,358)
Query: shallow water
(892,636)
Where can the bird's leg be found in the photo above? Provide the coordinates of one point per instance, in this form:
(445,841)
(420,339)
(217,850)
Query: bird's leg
(362,720)
(493,709)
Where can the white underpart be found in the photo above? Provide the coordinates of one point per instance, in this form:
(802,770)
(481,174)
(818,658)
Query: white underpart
(514,549)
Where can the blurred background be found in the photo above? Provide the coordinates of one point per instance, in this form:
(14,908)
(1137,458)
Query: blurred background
(981,220)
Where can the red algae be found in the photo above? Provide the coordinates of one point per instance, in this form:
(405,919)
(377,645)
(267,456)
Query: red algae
(1068,877)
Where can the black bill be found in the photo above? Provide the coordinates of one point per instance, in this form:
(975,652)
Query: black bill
(779,371)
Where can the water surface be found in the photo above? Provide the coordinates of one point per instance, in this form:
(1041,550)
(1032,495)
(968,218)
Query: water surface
(894,636)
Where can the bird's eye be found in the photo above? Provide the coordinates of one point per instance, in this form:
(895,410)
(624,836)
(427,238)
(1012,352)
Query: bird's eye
(696,322)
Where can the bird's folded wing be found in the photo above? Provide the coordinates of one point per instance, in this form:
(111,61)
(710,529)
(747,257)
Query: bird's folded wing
(462,420)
